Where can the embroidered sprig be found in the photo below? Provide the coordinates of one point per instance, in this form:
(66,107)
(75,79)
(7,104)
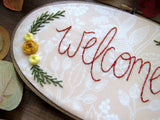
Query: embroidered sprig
(44,18)
(157,42)
(30,47)
(42,77)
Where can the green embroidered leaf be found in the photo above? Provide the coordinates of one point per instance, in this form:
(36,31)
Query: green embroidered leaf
(157,42)
(11,89)
(43,78)
(44,18)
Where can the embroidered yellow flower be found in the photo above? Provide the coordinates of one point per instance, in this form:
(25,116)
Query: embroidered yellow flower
(34,59)
(30,47)
(28,36)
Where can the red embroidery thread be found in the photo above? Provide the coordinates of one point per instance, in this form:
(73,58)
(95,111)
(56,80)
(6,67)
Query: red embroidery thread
(103,53)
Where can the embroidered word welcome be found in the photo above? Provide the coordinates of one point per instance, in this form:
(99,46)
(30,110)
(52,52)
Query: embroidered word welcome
(125,56)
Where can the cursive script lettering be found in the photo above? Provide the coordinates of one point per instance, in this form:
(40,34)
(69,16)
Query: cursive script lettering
(129,60)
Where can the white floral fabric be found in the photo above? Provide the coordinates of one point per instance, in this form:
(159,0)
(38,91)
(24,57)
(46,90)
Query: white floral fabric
(111,98)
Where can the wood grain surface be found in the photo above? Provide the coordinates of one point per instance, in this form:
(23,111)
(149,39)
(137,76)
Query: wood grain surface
(31,106)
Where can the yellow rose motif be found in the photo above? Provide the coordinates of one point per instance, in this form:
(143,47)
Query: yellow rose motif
(34,59)
(28,36)
(30,47)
